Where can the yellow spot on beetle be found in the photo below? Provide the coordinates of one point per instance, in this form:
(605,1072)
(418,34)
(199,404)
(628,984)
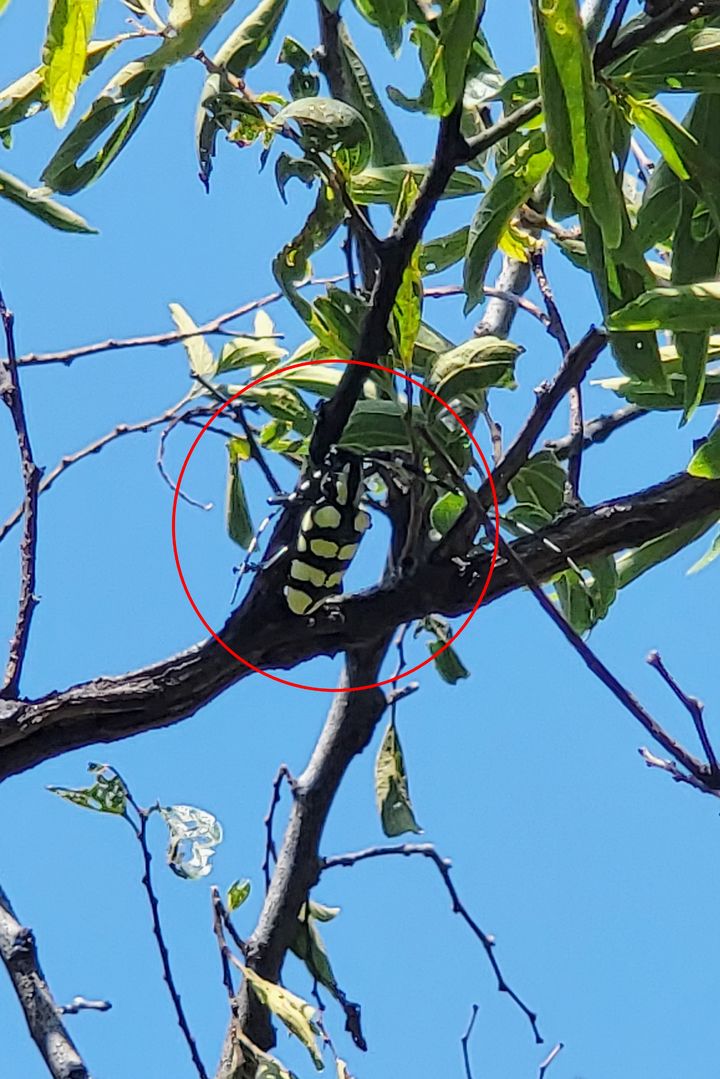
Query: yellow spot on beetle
(324,548)
(297,601)
(301,571)
(362,521)
(327,517)
(335,579)
(347,551)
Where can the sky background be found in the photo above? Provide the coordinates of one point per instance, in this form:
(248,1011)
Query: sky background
(598,877)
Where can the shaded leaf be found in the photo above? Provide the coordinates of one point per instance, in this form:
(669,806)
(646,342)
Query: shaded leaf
(681,307)
(444,251)
(237,511)
(709,556)
(448,663)
(45,209)
(328,126)
(470,368)
(389,16)
(382,185)
(632,565)
(375,425)
(541,482)
(361,94)
(391,787)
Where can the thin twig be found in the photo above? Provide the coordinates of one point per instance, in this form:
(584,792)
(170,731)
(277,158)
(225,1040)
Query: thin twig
(238,412)
(160,462)
(465,1039)
(597,430)
(599,669)
(692,704)
(218,929)
(69,459)
(614,26)
(426,850)
(140,830)
(653,761)
(283,773)
(495,431)
(556,329)
(549,1059)
(81,1004)
(11,394)
(172,337)
(438,292)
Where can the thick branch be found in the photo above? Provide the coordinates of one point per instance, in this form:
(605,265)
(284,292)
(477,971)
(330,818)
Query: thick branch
(348,729)
(19,954)
(266,634)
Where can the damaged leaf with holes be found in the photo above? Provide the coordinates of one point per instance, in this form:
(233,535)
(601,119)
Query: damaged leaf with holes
(108,794)
(194,837)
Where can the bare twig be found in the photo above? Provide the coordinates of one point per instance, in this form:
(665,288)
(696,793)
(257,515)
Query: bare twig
(597,430)
(140,830)
(19,954)
(465,1040)
(426,850)
(512,298)
(31,475)
(601,671)
(99,444)
(552,1055)
(653,761)
(160,462)
(81,1004)
(270,850)
(556,329)
(172,337)
(692,704)
(218,929)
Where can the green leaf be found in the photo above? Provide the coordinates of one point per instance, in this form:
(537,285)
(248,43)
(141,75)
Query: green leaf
(660,127)
(660,208)
(693,258)
(470,368)
(47,210)
(309,947)
(391,787)
(237,511)
(457,24)
(448,663)
(294,1012)
(199,353)
(108,794)
(361,94)
(632,565)
(283,403)
(709,556)
(444,251)
(128,97)
(240,52)
(65,51)
(706,459)
(680,307)
(26,96)
(574,114)
(291,266)
(446,511)
(511,186)
(639,393)
(383,185)
(541,482)
(389,15)
(328,126)
(3,5)
(377,425)
(237,893)
(131,92)
(340,316)
(682,59)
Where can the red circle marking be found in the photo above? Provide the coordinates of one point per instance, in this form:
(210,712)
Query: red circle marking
(285,681)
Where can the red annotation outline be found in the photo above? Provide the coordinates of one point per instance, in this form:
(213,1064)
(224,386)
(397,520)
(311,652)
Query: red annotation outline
(278,372)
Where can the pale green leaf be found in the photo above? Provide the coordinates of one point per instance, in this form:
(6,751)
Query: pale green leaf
(194,836)
(237,893)
(391,787)
(199,353)
(706,459)
(108,794)
(35,202)
(296,1014)
(69,30)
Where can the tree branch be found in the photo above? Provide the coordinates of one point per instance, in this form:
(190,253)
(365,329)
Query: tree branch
(348,729)
(267,635)
(12,396)
(19,954)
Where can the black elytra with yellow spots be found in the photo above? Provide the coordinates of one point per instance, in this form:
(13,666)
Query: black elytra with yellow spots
(330,531)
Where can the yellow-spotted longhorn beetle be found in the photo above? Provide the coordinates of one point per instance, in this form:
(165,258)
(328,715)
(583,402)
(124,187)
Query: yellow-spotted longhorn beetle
(328,537)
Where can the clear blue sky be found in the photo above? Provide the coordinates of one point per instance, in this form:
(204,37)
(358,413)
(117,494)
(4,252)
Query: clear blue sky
(598,877)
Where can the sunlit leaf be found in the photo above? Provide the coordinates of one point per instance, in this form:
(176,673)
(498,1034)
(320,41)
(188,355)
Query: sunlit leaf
(108,794)
(706,459)
(199,353)
(237,511)
(382,185)
(237,893)
(194,835)
(632,565)
(681,307)
(70,27)
(296,1014)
